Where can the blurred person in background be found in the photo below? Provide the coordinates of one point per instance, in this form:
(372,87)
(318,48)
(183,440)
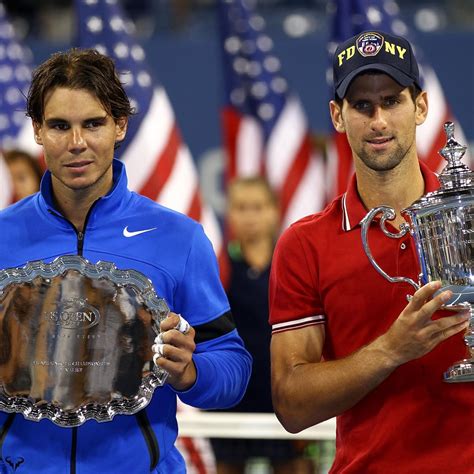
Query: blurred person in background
(253,219)
(25,172)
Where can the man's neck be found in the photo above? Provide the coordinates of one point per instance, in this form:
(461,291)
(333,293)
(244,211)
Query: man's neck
(397,188)
(74,204)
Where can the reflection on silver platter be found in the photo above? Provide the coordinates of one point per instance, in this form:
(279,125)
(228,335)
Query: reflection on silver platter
(75,340)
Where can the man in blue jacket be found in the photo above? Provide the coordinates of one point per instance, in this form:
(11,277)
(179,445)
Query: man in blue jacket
(80,113)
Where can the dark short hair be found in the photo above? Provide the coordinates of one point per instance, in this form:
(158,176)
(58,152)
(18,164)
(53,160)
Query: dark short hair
(85,69)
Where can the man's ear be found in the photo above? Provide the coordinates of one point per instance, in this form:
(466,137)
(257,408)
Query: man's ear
(336,116)
(421,108)
(121,125)
(37,133)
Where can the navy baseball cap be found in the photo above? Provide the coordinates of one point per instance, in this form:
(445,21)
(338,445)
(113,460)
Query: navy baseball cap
(374,50)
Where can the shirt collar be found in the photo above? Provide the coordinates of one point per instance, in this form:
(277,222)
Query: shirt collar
(354,210)
(112,198)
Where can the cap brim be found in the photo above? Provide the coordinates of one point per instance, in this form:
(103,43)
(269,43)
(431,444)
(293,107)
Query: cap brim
(399,76)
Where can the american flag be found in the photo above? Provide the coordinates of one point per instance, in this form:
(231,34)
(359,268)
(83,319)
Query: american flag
(15,127)
(351,17)
(159,164)
(265,127)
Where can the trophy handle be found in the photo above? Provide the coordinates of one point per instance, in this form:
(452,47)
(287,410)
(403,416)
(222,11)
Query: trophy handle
(388,213)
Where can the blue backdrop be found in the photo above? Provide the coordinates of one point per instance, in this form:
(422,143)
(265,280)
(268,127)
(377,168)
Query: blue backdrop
(189,68)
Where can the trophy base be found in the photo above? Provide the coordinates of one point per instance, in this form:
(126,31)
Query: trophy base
(463,371)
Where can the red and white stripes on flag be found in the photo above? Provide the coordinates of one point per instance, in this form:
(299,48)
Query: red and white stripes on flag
(431,136)
(264,124)
(288,160)
(160,166)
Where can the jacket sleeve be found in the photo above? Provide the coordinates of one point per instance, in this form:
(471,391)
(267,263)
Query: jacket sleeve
(223,371)
(222,362)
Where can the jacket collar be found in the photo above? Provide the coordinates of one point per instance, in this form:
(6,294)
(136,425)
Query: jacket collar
(354,210)
(111,201)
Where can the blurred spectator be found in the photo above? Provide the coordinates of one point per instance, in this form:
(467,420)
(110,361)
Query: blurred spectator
(25,171)
(253,218)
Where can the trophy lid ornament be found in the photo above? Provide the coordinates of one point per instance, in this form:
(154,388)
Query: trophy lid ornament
(456,174)
(456,179)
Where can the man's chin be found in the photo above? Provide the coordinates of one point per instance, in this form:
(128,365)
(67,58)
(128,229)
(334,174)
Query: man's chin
(381,162)
(78,184)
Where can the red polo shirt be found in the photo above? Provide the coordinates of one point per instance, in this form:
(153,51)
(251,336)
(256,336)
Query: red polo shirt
(413,422)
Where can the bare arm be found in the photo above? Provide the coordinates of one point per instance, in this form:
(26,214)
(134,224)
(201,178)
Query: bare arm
(307,391)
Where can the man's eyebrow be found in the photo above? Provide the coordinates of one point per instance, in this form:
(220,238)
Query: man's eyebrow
(396,95)
(96,119)
(55,120)
(364,98)
(89,119)
(353,100)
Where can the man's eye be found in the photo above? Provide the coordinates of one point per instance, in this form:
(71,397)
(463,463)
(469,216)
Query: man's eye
(361,106)
(94,124)
(391,102)
(60,126)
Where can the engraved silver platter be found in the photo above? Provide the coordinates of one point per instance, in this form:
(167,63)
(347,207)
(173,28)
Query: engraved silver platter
(75,340)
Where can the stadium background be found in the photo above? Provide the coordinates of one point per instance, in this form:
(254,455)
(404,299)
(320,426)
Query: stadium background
(181,40)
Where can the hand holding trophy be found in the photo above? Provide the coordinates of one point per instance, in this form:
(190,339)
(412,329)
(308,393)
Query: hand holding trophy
(442,224)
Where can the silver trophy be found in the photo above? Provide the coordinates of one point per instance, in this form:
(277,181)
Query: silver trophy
(75,340)
(442,224)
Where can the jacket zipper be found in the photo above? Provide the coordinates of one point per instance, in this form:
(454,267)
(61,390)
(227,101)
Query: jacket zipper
(150,438)
(80,234)
(80,242)
(73,450)
(80,251)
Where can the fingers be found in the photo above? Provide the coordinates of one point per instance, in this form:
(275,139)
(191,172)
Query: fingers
(175,321)
(158,351)
(414,333)
(172,342)
(425,303)
(448,326)
(183,326)
(173,351)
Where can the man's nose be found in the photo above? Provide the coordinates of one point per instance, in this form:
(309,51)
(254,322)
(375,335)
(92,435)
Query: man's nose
(77,142)
(379,118)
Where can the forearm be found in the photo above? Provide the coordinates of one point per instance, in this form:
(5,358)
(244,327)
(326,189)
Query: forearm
(316,391)
(307,391)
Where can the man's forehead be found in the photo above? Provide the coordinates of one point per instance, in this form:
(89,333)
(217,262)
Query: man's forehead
(373,84)
(73,102)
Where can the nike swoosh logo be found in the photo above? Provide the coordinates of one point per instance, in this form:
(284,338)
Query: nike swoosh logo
(127,233)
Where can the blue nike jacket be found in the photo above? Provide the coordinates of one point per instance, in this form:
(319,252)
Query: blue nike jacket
(179,260)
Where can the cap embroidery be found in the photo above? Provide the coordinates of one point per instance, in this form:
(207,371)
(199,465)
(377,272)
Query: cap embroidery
(377,50)
(369,44)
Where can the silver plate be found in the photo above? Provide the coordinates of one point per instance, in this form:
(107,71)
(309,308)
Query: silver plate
(75,340)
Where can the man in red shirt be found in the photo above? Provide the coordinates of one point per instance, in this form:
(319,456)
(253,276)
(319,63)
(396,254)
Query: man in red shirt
(345,342)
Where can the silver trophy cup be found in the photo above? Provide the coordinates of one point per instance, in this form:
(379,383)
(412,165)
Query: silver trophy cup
(75,341)
(442,225)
